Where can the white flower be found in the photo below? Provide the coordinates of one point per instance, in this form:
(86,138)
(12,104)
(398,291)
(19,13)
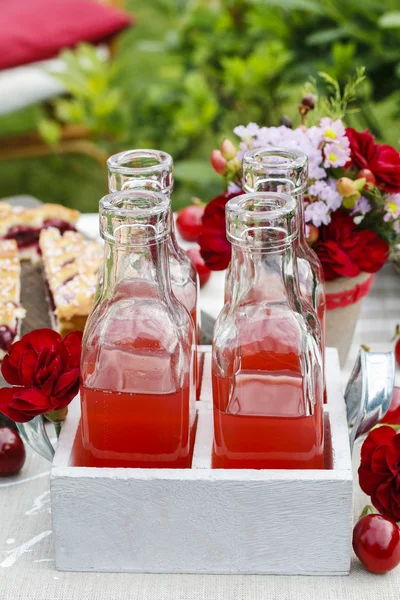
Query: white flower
(332,131)
(326,191)
(336,155)
(362,206)
(392,207)
(317,213)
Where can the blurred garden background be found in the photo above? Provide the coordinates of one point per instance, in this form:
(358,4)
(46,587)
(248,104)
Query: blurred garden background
(189,71)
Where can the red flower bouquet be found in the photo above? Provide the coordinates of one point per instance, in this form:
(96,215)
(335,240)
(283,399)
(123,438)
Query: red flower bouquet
(379,471)
(44,372)
(215,248)
(352,203)
(345,251)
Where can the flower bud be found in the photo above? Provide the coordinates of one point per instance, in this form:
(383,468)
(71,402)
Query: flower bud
(286,122)
(234,167)
(218,162)
(227,149)
(313,234)
(345,186)
(309,100)
(350,201)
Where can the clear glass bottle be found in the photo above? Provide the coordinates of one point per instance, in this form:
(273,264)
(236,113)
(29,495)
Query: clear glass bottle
(266,362)
(138,358)
(153,170)
(286,170)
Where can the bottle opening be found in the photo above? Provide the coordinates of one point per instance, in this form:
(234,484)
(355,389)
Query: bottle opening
(135,217)
(139,160)
(141,169)
(275,169)
(263,220)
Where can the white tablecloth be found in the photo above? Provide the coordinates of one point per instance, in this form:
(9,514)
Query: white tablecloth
(27,569)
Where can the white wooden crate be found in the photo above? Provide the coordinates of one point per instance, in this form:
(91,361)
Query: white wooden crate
(201,520)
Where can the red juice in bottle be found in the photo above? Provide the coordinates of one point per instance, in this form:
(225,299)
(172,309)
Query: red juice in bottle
(120,429)
(266,363)
(138,356)
(286,170)
(149,169)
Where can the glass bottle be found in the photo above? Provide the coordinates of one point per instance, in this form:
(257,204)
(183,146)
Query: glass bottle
(266,362)
(138,358)
(286,170)
(153,170)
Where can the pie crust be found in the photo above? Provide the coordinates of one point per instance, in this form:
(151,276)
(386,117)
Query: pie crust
(71,265)
(11,312)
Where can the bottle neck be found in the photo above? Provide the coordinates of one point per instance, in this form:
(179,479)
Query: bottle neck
(300,218)
(147,265)
(261,276)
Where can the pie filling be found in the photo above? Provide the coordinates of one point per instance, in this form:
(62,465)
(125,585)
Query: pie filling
(26,236)
(7,336)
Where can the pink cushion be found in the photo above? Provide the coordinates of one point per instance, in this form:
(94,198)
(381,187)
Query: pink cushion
(33,30)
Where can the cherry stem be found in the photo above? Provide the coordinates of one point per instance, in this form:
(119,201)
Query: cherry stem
(366,510)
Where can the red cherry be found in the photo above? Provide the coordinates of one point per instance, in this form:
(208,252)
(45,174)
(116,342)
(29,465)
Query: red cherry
(201,267)
(12,452)
(376,542)
(369,176)
(392,416)
(189,222)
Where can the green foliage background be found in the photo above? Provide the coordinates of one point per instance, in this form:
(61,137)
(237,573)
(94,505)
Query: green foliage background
(190,70)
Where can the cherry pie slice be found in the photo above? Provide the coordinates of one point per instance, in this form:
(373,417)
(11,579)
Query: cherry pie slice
(11,312)
(25,224)
(71,264)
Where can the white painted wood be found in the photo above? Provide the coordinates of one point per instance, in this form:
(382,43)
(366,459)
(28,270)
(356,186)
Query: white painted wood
(201,520)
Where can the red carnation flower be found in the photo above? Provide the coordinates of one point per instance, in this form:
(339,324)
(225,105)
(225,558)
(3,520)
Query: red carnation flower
(382,160)
(379,471)
(345,251)
(44,370)
(214,247)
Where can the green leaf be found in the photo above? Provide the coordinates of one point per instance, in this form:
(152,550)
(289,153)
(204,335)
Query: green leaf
(69,111)
(50,131)
(310,6)
(390,20)
(194,170)
(326,36)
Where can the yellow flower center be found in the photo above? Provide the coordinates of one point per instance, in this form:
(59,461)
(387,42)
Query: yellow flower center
(392,207)
(332,157)
(329,133)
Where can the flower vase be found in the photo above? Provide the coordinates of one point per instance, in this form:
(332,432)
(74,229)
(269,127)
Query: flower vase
(34,433)
(343,302)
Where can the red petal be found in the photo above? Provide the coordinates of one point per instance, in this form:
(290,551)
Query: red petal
(368,480)
(22,404)
(28,366)
(66,382)
(379,463)
(381,497)
(393,455)
(73,344)
(10,373)
(43,338)
(380,436)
